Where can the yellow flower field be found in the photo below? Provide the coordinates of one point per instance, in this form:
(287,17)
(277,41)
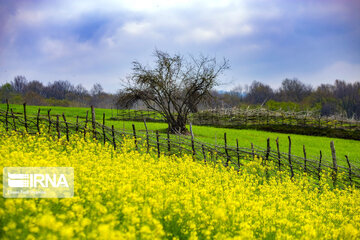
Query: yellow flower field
(134,195)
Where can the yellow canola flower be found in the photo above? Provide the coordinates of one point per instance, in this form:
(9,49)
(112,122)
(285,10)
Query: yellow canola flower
(130,194)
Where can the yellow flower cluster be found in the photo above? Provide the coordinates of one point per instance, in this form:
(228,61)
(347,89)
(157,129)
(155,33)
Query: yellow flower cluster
(133,195)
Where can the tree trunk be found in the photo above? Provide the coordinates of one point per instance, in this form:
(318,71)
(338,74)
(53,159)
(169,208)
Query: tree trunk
(177,125)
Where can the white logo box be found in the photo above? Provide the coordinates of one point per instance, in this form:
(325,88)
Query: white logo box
(38,182)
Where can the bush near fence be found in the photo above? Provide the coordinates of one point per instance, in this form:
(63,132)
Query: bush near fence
(231,156)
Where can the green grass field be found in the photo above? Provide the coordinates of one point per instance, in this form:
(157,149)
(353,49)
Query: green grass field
(215,135)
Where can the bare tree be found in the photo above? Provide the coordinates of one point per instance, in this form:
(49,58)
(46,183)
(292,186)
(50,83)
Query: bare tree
(174,86)
(259,93)
(97,89)
(294,90)
(19,84)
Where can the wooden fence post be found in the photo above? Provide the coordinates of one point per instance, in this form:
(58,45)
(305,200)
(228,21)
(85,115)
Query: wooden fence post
(57,126)
(267,150)
(335,168)
(135,139)
(6,115)
(113,136)
(77,124)
(38,120)
(226,151)
(86,122)
(147,137)
(252,151)
(289,155)
(203,151)
(157,143)
(168,141)
(319,168)
(237,152)
(192,140)
(348,162)
(278,152)
(93,121)
(103,128)
(13,117)
(25,119)
(67,127)
(305,167)
(49,120)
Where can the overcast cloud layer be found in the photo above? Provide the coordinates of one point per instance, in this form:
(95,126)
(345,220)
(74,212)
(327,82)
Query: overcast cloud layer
(96,41)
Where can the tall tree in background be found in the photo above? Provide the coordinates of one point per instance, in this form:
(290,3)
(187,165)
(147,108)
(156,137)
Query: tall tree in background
(259,93)
(19,84)
(293,90)
(174,86)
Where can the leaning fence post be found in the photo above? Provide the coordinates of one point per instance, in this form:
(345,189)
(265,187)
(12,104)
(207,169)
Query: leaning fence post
(13,117)
(289,155)
(226,151)
(348,162)
(113,136)
(134,133)
(67,127)
(157,143)
(103,128)
(93,121)
(192,140)
(57,126)
(278,152)
(147,137)
(6,115)
(319,168)
(335,168)
(203,151)
(37,120)
(305,167)
(49,119)
(25,119)
(237,152)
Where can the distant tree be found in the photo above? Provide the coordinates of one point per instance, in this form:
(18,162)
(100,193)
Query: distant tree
(36,87)
(19,84)
(174,86)
(348,95)
(80,91)
(58,89)
(97,90)
(293,90)
(6,92)
(259,93)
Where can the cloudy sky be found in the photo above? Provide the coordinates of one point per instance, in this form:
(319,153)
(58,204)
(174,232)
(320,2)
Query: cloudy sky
(88,41)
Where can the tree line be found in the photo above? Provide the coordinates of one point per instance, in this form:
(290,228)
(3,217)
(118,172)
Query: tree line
(57,93)
(340,98)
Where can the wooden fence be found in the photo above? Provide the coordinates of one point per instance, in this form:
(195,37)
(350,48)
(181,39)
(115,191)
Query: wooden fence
(160,143)
(248,117)
(310,123)
(263,116)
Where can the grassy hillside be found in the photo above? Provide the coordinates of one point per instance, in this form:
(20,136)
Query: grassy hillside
(214,135)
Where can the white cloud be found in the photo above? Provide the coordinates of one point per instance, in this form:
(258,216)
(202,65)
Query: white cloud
(55,48)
